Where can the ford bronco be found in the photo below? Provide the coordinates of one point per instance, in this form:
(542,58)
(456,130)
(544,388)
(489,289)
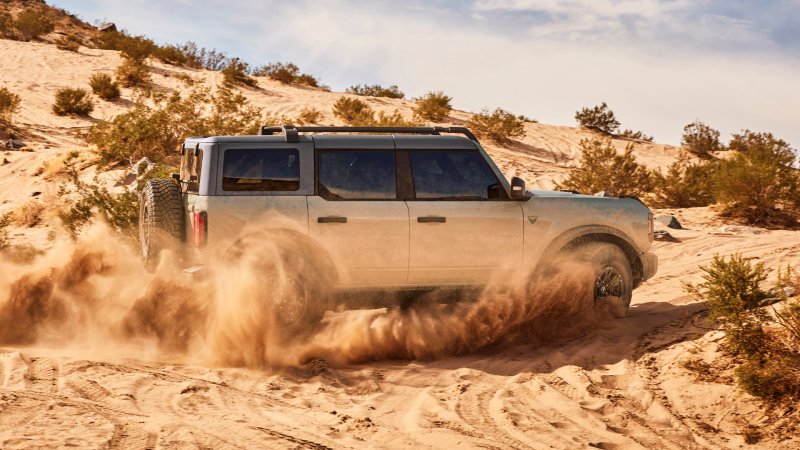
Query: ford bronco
(395,208)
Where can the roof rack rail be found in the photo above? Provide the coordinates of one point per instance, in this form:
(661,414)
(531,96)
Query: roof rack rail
(292,132)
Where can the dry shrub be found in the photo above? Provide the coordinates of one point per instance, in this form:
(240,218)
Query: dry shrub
(758,184)
(70,43)
(376,90)
(499,125)
(6,25)
(132,73)
(686,184)
(433,106)
(236,73)
(769,344)
(73,101)
(32,23)
(193,56)
(5,221)
(9,105)
(156,130)
(701,139)
(599,118)
(286,73)
(353,111)
(29,215)
(135,48)
(602,169)
(637,135)
(309,116)
(104,86)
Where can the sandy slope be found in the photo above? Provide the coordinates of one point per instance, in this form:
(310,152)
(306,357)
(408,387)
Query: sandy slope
(621,385)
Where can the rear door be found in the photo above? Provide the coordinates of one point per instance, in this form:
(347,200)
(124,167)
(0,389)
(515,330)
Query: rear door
(356,213)
(464,229)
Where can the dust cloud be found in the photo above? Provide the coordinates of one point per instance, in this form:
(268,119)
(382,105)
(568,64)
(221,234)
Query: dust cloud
(93,295)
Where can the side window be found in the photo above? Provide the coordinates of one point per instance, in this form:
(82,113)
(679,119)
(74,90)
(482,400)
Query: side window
(191,169)
(357,175)
(452,175)
(261,170)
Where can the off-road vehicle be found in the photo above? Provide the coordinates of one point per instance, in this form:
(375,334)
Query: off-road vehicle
(384,208)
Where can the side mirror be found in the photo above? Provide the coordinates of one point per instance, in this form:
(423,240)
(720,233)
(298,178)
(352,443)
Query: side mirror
(518,191)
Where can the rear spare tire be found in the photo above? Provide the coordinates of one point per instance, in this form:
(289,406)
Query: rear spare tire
(161,220)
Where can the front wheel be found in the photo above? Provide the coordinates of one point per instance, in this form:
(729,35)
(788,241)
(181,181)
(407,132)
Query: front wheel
(611,275)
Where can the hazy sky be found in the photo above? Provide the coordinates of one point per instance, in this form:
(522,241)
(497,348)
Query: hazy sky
(659,64)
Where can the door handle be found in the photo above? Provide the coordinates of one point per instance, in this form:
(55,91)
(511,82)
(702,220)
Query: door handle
(432,219)
(332,219)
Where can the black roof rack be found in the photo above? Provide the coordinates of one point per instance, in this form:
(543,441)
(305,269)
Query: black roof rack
(292,132)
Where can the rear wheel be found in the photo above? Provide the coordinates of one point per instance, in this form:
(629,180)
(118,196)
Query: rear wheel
(161,219)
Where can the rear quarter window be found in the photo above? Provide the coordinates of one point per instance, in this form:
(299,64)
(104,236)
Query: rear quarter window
(261,170)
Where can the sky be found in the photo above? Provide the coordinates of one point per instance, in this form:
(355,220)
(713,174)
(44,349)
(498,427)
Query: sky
(659,64)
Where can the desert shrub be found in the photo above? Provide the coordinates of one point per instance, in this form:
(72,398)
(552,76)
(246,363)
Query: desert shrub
(73,101)
(5,221)
(499,126)
(70,43)
(638,135)
(32,23)
(701,139)
(135,48)
(599,117)
(376,90)
(603,169)
(9,105)
(132,73)
(201,58)
(768,345)
(353,111)
(104,86)
(686,184)
(433,106)
(309,116)
(395,119)
(120,210)
(171,54)
(236,72)
(286,73)
(156,130)
(6,24)
(758,184)
(525,118)
(29,214)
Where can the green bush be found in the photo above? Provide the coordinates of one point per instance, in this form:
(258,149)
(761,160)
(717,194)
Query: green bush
(599,117)
(73,101)
(9,105)
(685,185)
(171,54)
(286,73)
(638,135)
(602,169)
(433,106)
(32,23)
(70,43)
(104,86)
(701,139)
(353,111)
(768,345)
(156,130)
(499,126)
(134,48)
(376,90)
(235,72)
(120,210)
(133,73)
(758,184)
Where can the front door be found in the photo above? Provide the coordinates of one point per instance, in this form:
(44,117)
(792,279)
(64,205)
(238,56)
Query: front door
(357,216)
(464,228)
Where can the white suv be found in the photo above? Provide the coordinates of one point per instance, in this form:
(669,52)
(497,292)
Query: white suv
(395,208)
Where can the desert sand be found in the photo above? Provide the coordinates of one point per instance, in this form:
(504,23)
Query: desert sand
(615,384)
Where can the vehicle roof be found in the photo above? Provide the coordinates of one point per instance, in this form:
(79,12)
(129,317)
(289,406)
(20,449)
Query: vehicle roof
(398,141)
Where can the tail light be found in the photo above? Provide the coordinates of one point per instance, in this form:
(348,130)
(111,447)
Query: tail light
(199,228)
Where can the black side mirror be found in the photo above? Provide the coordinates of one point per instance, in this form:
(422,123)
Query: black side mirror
(518,191)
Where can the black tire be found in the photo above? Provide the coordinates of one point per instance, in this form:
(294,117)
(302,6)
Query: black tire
(303,296)
(161,219)
(611,274)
